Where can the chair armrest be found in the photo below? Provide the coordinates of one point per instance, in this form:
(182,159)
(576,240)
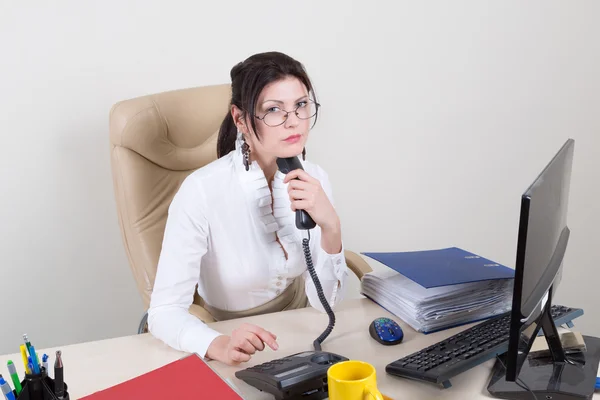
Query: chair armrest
(357,264)
(143,327)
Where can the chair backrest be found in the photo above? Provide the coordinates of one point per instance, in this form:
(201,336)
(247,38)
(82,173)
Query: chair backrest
(156,141)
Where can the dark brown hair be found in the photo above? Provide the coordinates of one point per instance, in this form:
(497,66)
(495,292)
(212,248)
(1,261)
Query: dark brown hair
(248,79)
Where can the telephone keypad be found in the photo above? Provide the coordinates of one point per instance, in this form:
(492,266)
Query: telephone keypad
(269,364)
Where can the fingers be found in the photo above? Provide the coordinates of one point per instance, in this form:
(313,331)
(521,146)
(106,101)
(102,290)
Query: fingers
(246,342)
(300,174)
(237,356)
(301,195)
(300,190)
(263,334)
(301,185)
(300,205)
(254,341)
(245,346)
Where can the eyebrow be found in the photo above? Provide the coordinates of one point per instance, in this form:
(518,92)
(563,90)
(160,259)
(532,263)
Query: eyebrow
(281,102)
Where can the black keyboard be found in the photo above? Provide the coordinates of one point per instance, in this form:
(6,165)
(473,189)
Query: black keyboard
(441,361)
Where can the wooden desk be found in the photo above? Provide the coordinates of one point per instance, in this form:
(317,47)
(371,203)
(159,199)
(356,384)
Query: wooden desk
(116,360)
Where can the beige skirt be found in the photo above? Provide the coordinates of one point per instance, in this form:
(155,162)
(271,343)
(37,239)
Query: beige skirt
(294,296)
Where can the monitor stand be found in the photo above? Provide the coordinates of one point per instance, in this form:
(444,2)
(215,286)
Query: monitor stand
(557,377)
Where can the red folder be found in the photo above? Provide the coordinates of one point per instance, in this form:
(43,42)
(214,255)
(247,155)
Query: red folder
(185,379)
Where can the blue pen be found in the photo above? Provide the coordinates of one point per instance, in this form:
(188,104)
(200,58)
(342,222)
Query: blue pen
(598,383)
(45,362)
(34,360)
(6,389)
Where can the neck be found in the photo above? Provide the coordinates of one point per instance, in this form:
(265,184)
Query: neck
(268,166)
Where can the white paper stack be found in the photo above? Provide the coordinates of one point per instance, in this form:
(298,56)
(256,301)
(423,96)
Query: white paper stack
(436,308)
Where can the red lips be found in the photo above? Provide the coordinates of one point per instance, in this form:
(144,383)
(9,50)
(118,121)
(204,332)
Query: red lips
(293,138)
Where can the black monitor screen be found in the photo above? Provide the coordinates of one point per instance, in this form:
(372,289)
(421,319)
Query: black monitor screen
(548,201)
(543,237)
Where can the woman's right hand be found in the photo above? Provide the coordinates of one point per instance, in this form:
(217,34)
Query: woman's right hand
(241,345)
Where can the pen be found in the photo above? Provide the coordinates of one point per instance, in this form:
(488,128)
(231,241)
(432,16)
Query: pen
(24,356)
(8,393)
(45,362)
(34,360)
(26,340)
(59,384)
(14,376)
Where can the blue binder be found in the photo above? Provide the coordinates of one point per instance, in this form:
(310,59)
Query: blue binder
(443,267)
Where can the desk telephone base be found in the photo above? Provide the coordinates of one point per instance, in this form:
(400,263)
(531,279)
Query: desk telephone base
(301,376)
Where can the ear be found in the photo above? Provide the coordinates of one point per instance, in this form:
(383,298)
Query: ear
(239,119)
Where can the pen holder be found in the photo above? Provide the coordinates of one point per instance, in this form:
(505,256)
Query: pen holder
(39,387)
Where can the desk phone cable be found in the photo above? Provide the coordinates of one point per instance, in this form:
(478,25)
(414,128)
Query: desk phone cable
(319,288)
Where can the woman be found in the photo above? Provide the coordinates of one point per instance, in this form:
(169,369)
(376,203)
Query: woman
(231,226)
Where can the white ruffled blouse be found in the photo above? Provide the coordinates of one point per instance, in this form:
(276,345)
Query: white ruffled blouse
(221,234)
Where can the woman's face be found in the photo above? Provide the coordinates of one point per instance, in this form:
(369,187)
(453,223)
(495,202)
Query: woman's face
(280,137)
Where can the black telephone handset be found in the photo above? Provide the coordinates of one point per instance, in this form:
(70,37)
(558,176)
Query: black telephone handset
(303,375)
(286,165)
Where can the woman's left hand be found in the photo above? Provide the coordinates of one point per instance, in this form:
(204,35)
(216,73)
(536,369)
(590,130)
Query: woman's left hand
(307,194)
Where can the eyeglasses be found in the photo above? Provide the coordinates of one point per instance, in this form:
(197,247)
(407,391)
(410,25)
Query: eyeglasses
(276,117)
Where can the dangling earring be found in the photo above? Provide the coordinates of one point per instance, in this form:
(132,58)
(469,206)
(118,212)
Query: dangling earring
(304,154)
(246,154)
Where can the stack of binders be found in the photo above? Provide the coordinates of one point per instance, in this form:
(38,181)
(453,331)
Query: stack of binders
(434,290)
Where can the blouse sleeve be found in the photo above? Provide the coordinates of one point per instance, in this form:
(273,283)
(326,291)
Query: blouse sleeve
(184,243)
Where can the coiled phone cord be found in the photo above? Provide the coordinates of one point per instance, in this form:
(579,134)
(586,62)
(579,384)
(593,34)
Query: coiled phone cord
(315,278)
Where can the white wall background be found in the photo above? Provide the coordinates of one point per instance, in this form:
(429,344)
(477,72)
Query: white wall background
(436,116)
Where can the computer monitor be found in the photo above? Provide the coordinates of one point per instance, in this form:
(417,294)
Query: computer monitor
(542,243)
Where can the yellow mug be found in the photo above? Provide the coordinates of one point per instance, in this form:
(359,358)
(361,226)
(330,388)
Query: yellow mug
(352,380)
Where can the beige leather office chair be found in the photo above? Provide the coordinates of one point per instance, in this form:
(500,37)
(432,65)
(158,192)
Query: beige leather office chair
(155,142)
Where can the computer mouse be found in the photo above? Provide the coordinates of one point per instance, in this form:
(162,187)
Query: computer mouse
(386,331)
